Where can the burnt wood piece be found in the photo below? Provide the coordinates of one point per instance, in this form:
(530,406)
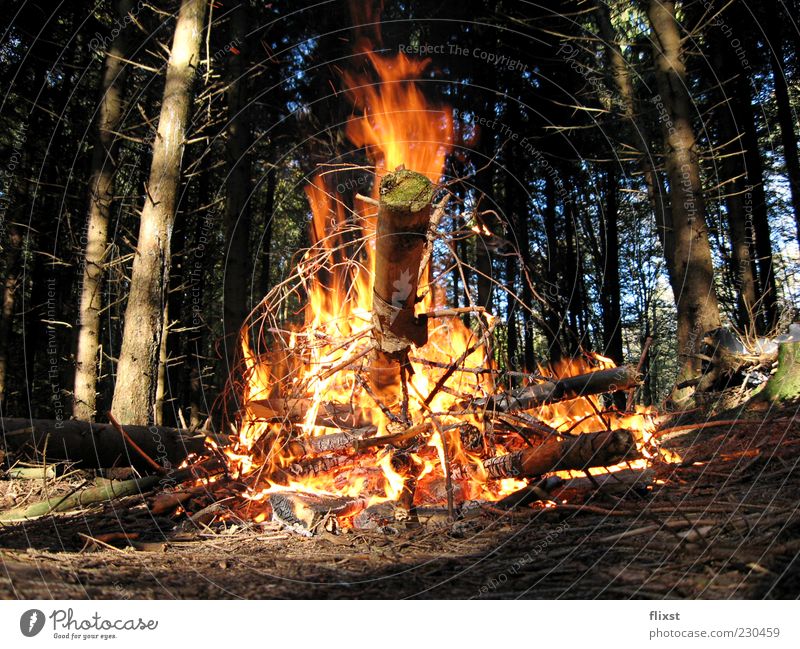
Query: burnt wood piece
(531,396)
(332,443)
(404,215)
(330,414)
(101,445)
(303,513)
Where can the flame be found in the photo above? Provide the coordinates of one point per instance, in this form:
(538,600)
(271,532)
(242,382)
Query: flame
(323,360)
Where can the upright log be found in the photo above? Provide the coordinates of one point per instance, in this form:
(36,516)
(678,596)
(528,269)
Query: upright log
(403,217)
(784,385)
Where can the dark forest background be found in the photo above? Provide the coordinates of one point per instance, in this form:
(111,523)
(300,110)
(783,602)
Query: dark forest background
(632,169)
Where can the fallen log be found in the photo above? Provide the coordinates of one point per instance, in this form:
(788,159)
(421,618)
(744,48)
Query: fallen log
(404,215)
(540,394)
(101,445)
(110,491)
(559,454)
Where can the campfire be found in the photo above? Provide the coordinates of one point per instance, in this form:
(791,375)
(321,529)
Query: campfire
(383,401)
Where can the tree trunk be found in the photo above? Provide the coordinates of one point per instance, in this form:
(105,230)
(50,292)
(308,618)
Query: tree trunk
(610,286)
(238,188)
(755,200)
(11,284)
(101,195)
(745,114)
(137,370)
(635,133)
(266,240)
(693,283)
(734,175)
(786,118)
(553,316)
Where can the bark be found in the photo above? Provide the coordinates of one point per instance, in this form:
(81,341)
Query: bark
(101,195)
(610,380)
(100,445)
(403,218)
(137,370)
(238,188)
(693,280)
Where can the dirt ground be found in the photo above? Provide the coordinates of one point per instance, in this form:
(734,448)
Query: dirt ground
(725,523)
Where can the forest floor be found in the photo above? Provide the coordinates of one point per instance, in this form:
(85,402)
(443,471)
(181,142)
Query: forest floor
(725,523)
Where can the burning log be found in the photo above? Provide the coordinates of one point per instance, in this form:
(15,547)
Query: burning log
(559,453)
(404,215)
(101,445)
(609,380)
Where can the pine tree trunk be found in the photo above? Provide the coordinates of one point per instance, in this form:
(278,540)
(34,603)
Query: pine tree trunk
(553,316)
(635,132)
(101,195)
(610,296)
(266,240)
(786,117)
(11,284)
(238,187)
(733,174)
(137,370)
(744,105)
(693,281)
